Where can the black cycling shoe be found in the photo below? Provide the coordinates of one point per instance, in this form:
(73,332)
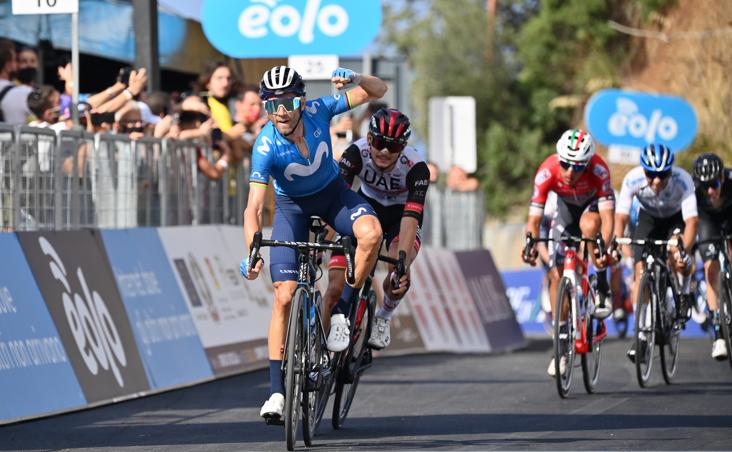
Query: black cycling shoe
(632,352)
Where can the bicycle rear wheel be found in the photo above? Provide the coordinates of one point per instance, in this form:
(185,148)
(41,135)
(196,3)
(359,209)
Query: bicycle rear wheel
(669,342)
(645,329)
(563,341)
(317,366)
(725,313)
(591,359)
(356,357)
(294,367)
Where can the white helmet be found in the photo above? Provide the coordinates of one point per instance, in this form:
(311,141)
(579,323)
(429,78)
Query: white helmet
(576,145)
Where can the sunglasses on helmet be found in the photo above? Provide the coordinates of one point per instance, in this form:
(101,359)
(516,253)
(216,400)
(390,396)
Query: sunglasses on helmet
(715,184)
(380,142)
(290,104)
(657,174)
(577,167)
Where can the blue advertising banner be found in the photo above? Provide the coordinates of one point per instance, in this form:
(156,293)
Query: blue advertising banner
(629,118)
(524,291)
(36,376)
(163,327)
(280,28)
(530,302)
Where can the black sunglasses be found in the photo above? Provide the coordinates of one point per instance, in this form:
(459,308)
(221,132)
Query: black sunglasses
(394,147)
(657,174)
(715,184)
(576,167)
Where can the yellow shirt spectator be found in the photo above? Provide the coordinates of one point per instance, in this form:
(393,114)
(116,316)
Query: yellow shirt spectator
(220,114)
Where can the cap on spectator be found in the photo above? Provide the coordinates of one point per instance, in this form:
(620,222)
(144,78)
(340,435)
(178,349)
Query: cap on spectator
(147,115)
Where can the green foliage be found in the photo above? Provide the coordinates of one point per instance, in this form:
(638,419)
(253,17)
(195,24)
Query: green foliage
(535,52)
(509,158)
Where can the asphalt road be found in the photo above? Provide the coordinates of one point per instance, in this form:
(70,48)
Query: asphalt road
(469,402)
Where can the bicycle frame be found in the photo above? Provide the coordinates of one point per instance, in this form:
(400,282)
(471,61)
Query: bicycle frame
(574,269)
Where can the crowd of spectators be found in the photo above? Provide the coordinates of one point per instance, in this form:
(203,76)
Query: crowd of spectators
(218,111)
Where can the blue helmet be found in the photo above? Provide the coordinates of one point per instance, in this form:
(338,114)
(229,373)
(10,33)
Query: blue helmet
(657,158)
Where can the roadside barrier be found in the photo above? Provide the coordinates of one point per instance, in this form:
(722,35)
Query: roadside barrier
(94,316)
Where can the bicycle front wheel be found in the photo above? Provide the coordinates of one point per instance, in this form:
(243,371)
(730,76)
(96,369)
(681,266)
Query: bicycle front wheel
(563,340)
(295,361)
(725,313)
(670,343)
(645,330)
(317,368)
(591,359)
(320,376)
(357,356)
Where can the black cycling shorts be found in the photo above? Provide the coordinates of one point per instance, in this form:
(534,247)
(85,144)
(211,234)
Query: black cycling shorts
(650,227)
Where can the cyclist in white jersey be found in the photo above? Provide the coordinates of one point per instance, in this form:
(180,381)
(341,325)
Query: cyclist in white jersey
(667,207)
(394,180)
(294,149)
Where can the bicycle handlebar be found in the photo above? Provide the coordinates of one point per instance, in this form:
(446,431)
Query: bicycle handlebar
(714,240)
(644,242)
(345,246)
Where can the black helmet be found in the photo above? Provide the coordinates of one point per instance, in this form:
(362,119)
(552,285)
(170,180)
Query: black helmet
(280,80)
(390,124)
(708,167)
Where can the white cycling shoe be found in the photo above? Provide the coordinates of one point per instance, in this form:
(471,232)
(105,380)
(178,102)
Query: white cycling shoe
(380,334)
(339,334)
(719,350)
(551,370)
(273,407)
(603,308)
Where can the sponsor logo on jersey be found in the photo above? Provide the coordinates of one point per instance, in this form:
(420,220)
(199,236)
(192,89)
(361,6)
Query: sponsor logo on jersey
(256,175)
(298,169)
(265,146)
(542,176)
(379,181)
(313,108)
(422,183)
(600,171)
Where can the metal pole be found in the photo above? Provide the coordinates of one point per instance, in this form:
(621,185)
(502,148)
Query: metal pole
(75,67)
(145,19)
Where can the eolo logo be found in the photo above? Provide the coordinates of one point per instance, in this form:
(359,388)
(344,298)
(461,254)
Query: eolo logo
(280,28)
(631,118)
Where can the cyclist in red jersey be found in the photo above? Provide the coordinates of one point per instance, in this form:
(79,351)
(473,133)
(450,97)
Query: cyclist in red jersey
(585,205)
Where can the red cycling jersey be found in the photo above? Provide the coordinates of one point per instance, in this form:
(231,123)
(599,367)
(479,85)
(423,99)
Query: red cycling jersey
(592,184)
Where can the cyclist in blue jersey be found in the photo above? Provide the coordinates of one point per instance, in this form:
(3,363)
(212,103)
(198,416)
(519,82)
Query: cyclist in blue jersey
(294,149)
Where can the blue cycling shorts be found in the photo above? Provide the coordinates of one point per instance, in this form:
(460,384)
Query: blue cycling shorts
(338,205)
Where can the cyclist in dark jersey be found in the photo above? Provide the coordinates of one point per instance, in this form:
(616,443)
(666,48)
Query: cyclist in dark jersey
(394,180)
(714,204)
(294,148)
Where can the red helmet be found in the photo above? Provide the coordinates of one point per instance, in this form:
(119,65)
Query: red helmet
(390,125)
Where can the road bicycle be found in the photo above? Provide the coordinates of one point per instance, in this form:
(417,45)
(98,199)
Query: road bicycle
(307,364)
(582,333)
(722,245)
(353,362)
(658,310)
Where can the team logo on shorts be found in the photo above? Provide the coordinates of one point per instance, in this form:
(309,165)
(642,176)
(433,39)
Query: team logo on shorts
(358,213)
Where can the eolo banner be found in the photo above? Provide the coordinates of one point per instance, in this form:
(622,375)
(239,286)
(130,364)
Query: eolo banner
(280,28)
(631,118)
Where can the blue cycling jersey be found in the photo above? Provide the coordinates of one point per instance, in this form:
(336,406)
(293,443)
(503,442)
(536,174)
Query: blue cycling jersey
(293,174)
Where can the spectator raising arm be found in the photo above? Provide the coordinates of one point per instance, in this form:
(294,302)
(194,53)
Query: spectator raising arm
(134,88)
